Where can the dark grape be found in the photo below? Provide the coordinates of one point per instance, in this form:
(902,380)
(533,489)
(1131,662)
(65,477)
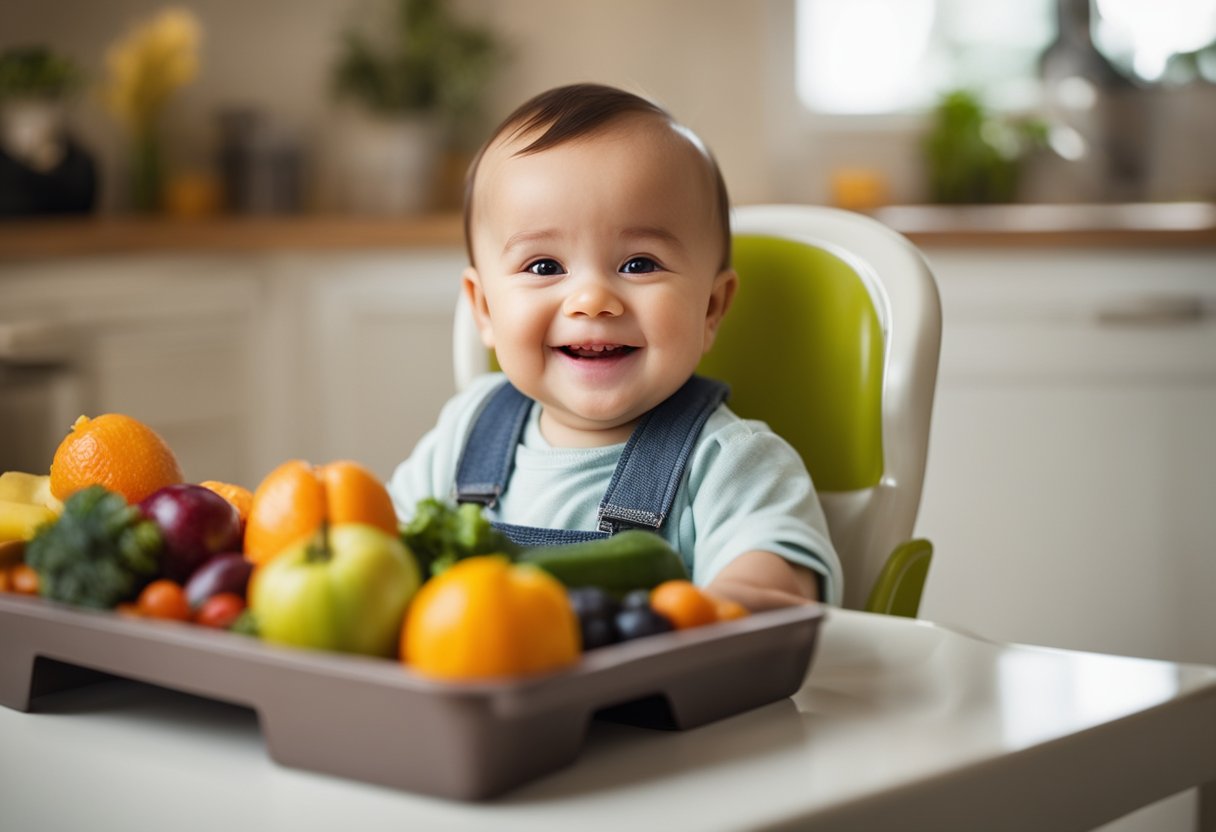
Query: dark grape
(637,622)
(597,631)
(591,601)
(637,599)
(595,609)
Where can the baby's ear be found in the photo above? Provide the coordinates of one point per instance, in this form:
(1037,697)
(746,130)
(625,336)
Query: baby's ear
(723,292)
(470,285)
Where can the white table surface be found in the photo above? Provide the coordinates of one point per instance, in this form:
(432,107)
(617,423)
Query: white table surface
(901,724)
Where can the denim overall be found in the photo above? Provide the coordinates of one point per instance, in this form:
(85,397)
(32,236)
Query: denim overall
(643,486)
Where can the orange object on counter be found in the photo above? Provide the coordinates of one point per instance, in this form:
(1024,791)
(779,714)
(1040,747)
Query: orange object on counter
(859,189)
(192,196)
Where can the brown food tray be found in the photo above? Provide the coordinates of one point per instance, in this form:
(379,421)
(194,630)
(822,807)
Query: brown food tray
(481,738)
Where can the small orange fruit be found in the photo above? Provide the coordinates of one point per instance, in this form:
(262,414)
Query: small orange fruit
(239,496)
(164,598)
(729,610)
(23,579)
(114,451)
(683,604)
(485,617)
(296,499)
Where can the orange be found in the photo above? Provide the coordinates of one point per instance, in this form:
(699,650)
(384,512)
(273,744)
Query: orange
(728,610)
(240,497)
(296,499)
(485,617)
(683,604)
(115,451)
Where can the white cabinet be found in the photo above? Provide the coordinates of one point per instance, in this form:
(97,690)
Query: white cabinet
(167,340)
(357,354)
(1071,484)
(244,361)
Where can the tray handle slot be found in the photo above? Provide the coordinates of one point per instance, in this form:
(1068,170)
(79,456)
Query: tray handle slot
(649,711)
(52,676)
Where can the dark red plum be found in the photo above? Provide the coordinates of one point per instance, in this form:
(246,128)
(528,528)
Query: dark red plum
(227,572)
(196,523)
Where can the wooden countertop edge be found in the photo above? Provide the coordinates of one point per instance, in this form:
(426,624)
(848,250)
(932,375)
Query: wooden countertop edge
(1097,238)
(27,239)
(30,239)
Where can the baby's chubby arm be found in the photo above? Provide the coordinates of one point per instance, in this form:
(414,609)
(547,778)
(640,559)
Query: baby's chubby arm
(762,580)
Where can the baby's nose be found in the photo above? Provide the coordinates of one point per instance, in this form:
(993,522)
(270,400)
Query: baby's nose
(593,296)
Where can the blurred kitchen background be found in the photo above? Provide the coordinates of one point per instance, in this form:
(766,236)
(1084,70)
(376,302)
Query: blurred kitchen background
(804,100)
(238,222)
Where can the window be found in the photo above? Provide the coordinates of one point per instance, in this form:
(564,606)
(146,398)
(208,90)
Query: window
(884,56)
(899,56)
(1143,35)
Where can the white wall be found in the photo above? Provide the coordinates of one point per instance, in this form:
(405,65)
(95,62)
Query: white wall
(705,59)
(725,67)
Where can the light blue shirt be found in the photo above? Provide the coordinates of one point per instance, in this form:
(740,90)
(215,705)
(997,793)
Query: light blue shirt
(745,488)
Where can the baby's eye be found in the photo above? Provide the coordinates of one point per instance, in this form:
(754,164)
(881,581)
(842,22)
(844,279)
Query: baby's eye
(640,265)
(545,268)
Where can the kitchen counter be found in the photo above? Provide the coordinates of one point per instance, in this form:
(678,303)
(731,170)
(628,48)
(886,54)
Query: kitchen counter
(899,724)
(1186,224)
(29,239)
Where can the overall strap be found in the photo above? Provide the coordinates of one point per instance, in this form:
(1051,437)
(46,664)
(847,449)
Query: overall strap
(530,536)
(489,454)
(647,475)
(651,467)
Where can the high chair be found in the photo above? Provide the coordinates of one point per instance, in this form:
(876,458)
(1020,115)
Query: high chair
(833,340)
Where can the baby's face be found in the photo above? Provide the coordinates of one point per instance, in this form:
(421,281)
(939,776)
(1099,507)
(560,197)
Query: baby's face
(598,275)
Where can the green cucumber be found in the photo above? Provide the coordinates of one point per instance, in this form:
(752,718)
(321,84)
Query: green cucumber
(632,559)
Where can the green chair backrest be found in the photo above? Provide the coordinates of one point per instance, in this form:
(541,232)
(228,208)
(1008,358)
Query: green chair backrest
(802,349)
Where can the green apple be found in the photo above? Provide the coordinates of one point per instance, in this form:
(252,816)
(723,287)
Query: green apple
(344,589)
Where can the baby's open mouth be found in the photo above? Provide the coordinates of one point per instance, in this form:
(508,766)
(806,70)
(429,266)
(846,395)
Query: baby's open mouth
(596,350)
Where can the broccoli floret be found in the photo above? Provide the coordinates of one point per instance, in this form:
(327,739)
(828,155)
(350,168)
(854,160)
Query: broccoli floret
(100,552)
(441,534)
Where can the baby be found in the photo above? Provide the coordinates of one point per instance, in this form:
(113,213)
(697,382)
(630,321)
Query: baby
(598,233)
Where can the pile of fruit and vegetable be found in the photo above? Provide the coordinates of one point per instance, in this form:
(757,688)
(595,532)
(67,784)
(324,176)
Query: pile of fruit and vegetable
(315,557)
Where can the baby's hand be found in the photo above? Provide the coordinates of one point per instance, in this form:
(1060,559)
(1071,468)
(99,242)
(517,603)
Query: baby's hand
(764,581)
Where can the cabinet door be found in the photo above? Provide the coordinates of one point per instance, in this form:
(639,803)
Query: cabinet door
(165,339)
(1072,463)
(369,341)
(189,382)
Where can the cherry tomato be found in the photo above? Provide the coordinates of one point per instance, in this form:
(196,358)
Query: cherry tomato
(220,610)
(23,579)
(164,599)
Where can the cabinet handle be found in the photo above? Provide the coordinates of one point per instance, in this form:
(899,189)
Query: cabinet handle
(35,341)
(1157,311)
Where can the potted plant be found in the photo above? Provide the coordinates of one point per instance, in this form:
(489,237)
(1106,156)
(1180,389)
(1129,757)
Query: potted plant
(146,67)
(414,79)
(42,168)
(974,157)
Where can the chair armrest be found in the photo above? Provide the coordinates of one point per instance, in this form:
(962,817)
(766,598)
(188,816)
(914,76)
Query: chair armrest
(899,586)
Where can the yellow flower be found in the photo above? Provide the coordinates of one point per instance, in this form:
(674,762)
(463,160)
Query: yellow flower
(148,64)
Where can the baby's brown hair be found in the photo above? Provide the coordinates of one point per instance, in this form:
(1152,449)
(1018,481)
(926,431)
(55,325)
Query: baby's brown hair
(577,110)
